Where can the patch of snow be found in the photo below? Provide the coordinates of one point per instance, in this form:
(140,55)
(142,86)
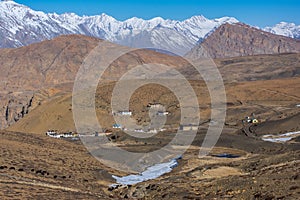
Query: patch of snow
(290,133)
(285,139)
(150,173)
(280,138)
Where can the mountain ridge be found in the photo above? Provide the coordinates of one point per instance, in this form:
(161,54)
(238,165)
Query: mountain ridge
(233,40)
(20,26)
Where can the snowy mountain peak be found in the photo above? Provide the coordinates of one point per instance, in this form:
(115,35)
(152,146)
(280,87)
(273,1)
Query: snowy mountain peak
(9,4)
(230,20)
(106,17)
(285,29)
(8,1)
(197,18)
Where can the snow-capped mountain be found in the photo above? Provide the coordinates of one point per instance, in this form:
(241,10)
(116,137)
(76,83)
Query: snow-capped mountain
(285,29)
(20,25)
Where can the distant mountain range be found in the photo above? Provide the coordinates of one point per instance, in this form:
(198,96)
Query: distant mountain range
(20,26)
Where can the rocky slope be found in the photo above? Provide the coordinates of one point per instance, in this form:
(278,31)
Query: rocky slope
(231,40)
(28,70)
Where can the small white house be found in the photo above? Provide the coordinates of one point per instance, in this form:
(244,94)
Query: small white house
(155,105)
(119,126)
(51,132)
(139,130)
(55,134)
(125,113)
(152,131)
(189,127)
(162,113)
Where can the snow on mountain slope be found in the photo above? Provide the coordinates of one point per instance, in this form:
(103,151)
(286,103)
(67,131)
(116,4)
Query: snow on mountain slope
(20,25)
(285,29)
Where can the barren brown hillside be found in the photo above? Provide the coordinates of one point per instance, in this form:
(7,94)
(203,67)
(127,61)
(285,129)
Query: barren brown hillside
(269,100)
(39,68)
(259,67)
(30,75)
(34,165)
(37,96)
(232,40)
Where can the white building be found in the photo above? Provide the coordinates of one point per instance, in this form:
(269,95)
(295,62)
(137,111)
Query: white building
(139,130)
(152,131)
(162,113)
(155,105)
(55,134)
(125,113)
(189,127)
(119,126)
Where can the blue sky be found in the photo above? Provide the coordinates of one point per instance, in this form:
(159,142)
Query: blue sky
(254,12)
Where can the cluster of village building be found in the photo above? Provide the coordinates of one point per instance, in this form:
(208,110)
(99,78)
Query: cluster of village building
(189,127)
(56,134)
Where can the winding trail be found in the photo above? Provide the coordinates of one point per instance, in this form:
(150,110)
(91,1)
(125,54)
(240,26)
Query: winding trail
(283,94)
(7,179)
(248,130)
(36,183)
